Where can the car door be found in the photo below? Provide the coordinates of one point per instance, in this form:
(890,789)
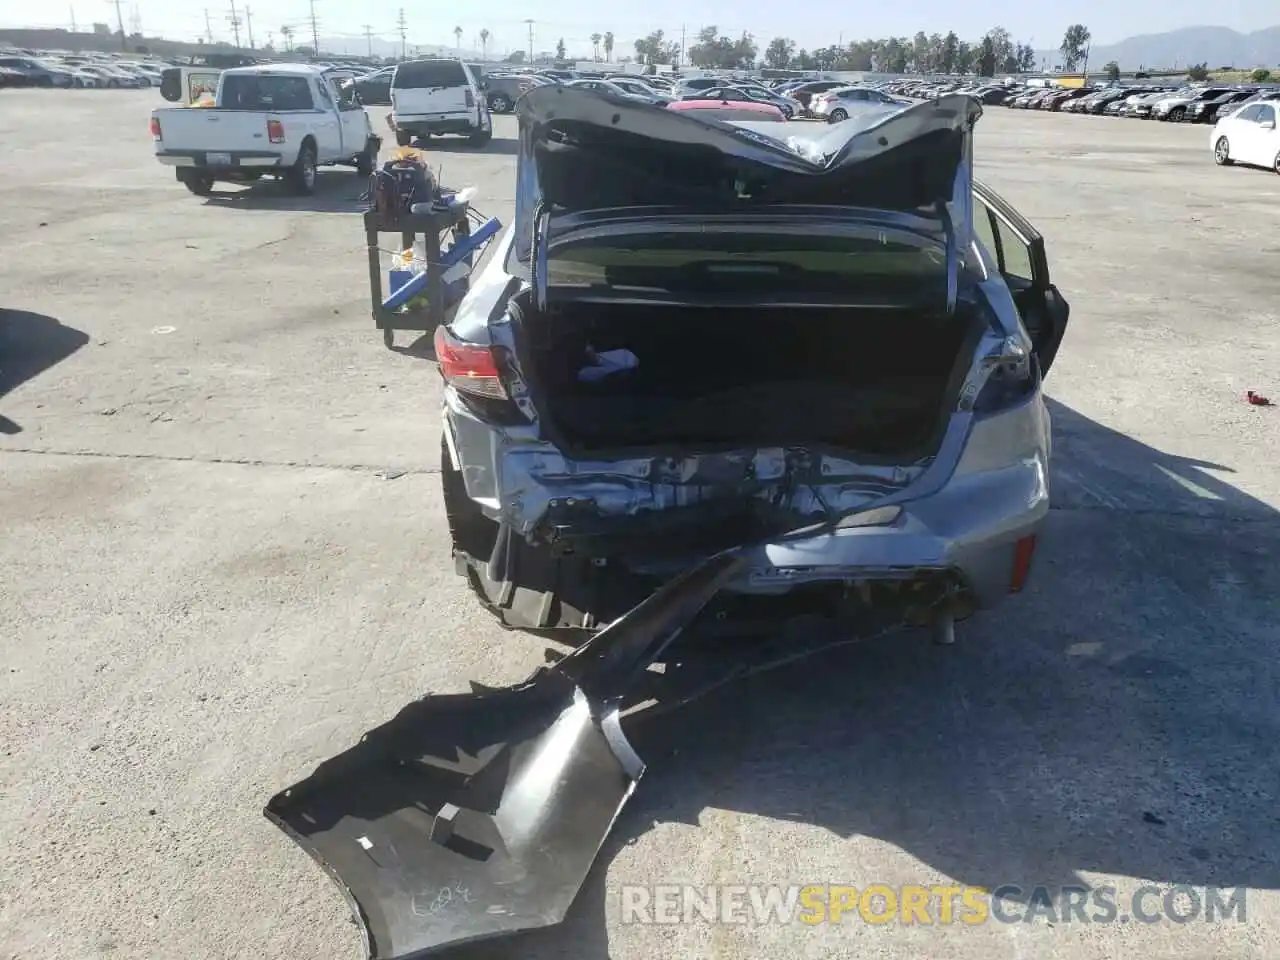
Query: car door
(327,126)
(351,118)
(1241,131)
(1018,249)
(1265,138)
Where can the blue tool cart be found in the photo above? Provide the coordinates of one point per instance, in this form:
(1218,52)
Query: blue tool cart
(422,295)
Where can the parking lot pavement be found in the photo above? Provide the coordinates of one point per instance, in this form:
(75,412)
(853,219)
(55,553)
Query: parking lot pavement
(210,587)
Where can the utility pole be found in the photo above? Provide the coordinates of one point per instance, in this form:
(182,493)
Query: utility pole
(683,33)
(400,25)
(208,27)
(530,24)
(73,20)
(368,36)
(234,20)
(315,30)
(124,44)
(248,22)
(135,22)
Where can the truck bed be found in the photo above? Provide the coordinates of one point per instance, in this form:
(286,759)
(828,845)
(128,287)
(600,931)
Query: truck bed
(198,130)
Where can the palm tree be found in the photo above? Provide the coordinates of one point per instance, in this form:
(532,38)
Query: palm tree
(595,46)
(608,46)
(287,33)
(484,44)
(457,37)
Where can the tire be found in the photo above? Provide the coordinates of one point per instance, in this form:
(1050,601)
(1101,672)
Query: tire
(838,115)
(302,175)
(403,138)
(481,137)
(1222,152)
(113,84)
(500,103)
(201,184)
(1177,114)
(1275,164)
(367,161)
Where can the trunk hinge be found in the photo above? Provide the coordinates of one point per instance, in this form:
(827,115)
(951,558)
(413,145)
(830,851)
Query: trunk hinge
(538,256)
(953,256)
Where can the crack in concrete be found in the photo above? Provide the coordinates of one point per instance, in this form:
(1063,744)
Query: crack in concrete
(432,471)
(235,461)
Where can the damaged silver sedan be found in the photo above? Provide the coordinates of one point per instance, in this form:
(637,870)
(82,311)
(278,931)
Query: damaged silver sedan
(696,335)
(709,373)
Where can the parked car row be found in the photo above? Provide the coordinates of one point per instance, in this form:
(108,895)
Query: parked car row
(1192,104)
(25,68)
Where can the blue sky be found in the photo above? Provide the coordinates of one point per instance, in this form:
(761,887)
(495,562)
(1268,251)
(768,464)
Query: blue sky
(575,20)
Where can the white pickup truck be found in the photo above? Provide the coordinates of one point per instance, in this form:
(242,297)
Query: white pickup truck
(279,119)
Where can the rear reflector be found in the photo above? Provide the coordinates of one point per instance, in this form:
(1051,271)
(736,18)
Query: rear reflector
(275,131)
(468,367)
(1023,551)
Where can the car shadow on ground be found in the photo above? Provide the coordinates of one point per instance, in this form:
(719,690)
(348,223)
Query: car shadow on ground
(500,147)
(1118,717)
(31,343)
(337,191)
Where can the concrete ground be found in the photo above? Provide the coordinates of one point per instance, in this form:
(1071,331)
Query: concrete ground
(212,582)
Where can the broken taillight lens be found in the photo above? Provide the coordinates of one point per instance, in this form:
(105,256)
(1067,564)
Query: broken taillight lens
(155,128)
(468,367)
(275,131)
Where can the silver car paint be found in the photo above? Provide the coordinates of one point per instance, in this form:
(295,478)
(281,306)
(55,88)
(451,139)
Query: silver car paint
(962,508)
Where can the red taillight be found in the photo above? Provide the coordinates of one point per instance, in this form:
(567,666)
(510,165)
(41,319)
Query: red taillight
(1023,551)
(275,131)
(468,367)
(471,99)
(155,128)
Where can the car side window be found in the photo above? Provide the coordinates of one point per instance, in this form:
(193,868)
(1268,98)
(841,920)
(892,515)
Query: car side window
(1266,113)
(1250,113)
(1011,250)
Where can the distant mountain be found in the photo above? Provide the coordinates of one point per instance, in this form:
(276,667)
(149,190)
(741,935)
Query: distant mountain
(1214,46)
(359,47)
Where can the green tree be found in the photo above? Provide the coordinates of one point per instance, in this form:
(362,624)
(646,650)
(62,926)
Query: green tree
(1075,43)
(950,48)
(655,48)
(1260,76)
(608,45)
(595,46)
(560,52)
(1198,71)
(1112,70)
(779,53)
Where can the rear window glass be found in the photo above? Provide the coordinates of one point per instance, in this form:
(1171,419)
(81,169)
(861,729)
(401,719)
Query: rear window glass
(711,262)
(256,91)
(430,73)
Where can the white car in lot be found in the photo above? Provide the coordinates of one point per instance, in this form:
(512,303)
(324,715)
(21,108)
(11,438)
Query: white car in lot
(1248,135)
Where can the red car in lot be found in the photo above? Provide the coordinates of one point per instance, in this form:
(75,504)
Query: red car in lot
(731,109)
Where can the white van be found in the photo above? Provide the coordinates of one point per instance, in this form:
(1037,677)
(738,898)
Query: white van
(438,96)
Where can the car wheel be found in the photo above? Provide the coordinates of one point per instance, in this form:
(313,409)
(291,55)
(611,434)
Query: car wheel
(403,138)
(367,161)
(838,115)
(1222,152)
(500,103)
(201,184)
(302,176)
(1177,114)
(1275,164)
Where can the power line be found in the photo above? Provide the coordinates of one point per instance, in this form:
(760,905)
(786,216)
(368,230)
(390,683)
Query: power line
(234,20)
(315,30)
(400,25)
(368,36)
(530,24)
(248,22)
(120,20)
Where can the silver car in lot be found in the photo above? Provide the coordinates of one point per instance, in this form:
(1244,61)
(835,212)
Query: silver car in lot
(701,335)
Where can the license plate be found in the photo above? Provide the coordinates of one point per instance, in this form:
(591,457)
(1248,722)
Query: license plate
(218,159)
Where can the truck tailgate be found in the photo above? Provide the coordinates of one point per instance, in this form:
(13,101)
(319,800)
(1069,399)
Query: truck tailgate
(208,128)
